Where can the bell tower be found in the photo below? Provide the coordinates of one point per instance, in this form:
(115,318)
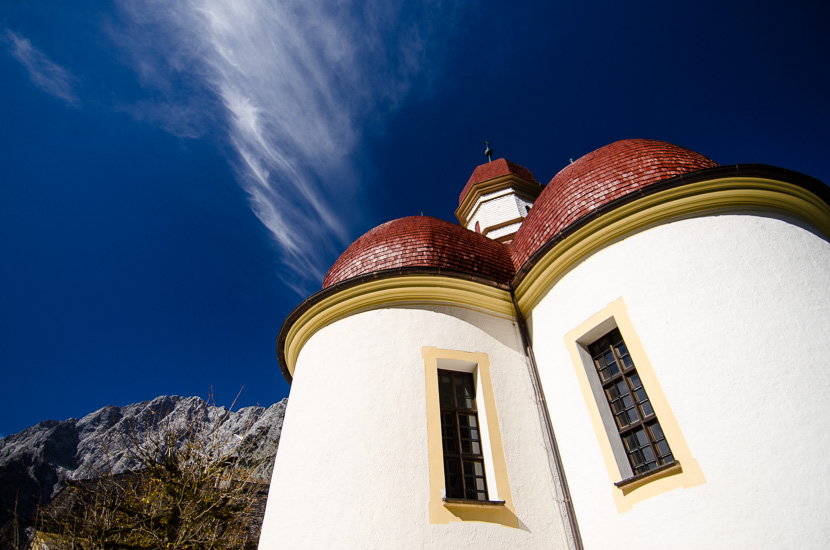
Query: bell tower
(497,198)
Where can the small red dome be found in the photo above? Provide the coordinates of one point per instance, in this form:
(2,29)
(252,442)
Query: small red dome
(422,241)
(493,170)
(597,179)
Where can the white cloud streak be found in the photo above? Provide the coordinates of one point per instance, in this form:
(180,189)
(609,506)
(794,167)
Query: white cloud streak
(293,83)
(43,72)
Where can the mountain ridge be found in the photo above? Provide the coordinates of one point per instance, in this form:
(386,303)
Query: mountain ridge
(35,462)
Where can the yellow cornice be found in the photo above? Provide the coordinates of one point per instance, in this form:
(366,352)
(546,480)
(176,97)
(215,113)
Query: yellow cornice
(526,188)
(736,194)
(517,219)
(401,290)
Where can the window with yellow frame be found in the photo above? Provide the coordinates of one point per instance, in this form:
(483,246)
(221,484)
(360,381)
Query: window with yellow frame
(644,456)
(495,505)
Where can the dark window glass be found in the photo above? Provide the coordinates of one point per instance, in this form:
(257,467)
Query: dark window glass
(642,436)
(461,436)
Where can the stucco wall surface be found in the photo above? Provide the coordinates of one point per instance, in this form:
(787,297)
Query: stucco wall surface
(352,467)
(733,312)
(495,208)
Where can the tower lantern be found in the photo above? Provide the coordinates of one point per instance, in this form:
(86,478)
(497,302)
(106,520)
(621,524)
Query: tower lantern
(497,198)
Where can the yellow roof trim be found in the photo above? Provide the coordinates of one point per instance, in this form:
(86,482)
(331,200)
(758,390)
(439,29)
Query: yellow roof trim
(402,290)
(735,194)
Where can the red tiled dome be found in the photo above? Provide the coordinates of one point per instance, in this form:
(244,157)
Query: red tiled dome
(597,179)
(492,170)
(422,241)
(581,188)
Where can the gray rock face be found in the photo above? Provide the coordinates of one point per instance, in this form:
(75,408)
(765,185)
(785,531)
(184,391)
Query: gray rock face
(34,462)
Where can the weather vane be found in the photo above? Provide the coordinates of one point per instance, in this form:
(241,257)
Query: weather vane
(488,152)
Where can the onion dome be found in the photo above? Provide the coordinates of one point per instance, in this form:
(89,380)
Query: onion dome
(492,170)
(496,199)
(425,242)
(597,179)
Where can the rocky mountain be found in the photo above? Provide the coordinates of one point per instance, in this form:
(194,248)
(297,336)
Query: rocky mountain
(35,462)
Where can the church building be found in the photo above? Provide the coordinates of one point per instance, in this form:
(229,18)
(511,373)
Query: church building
(634,355)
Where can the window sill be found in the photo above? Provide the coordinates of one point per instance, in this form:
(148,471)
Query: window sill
(468,503)
(632,483)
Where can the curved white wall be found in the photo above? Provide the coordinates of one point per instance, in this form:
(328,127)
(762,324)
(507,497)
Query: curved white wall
(496,208)
(733,312)
(352,467)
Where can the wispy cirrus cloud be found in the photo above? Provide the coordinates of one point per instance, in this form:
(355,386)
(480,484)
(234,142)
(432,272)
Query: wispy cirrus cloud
(292,83)
(44,73)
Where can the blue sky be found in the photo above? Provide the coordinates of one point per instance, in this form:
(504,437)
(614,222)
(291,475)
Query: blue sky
(177,176)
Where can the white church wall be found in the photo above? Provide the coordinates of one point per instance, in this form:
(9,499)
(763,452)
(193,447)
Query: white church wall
(496,208)
(733,314)
(352,469)
(506,230)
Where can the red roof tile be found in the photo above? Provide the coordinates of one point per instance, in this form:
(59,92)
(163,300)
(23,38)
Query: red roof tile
(492,170)
(426,242)
(582,187)
(595,180)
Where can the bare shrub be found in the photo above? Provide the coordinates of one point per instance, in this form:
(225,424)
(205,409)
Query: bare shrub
(186,489)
